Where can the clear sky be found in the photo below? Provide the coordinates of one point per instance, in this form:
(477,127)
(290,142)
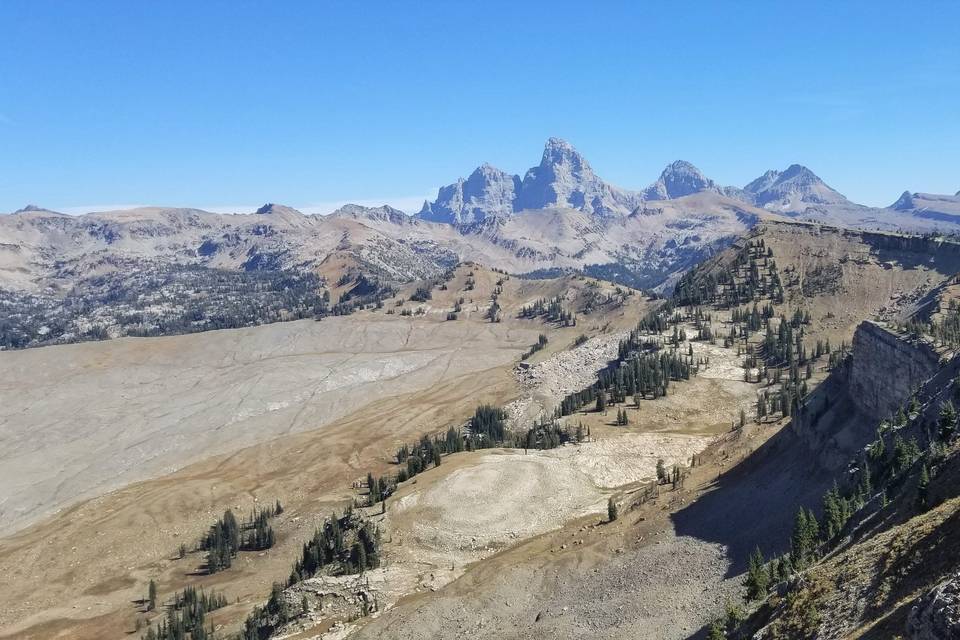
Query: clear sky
(229,105)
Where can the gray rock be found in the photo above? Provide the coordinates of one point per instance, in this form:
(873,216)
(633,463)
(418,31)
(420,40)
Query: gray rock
(936,616)
(793,189)
(680,179)
(563,179)
(488,192)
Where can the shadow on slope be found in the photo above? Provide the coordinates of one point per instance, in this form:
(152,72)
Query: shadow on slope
(753,505)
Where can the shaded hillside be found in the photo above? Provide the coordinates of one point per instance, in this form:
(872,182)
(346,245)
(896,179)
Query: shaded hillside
(883,492)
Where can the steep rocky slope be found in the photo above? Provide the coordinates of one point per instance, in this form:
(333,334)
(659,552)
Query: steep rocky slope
(890,569)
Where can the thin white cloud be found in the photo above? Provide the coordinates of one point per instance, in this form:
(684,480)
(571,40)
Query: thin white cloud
(408,204)
(91,208)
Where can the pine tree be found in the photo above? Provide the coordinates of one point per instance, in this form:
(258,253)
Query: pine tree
(612,512)
(758,579)
(948,421)
(152,596)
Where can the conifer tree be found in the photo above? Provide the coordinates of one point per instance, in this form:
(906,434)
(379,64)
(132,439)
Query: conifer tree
(152,595)
(758,579)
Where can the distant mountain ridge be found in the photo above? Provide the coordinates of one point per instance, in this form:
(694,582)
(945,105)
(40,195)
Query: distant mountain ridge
(565,180)
(559,215)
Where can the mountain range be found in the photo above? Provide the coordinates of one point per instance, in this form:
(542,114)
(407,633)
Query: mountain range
(559,215)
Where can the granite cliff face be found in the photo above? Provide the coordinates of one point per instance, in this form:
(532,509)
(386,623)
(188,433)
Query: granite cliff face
(886,368)
(563,179)
(488,192)
(883,371)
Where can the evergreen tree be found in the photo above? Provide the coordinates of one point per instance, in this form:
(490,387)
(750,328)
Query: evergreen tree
(152,595)
(612,512)
(948,421)
(758,579)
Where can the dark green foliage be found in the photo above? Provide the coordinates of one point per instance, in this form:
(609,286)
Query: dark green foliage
(340,546)
(803,541)
(752,276)
(836,512)
(263,621)
(378,489)
(222,543)
(640,374)
(226,537)
(545,436)
(422,294)
(948,421)
(551,311)
(662,475)
(186,615)
(152,595)
(758,577)
(487,425)
(540,344)
(612,511)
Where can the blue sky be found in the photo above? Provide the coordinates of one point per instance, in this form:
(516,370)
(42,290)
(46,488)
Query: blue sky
(229,105)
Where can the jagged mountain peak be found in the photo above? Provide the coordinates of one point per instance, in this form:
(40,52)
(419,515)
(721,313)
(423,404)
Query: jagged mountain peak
(487,192)
(558,151)
(799,172)
(679,178)
(563,179)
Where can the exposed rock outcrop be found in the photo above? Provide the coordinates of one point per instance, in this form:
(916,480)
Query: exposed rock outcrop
(886,368)
(488,192)
(936,616)
(680,179)
(563,179)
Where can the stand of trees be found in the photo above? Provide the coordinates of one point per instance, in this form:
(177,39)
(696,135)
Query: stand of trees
(752,275)
(540,344)
(186,616)
(550,311)
(342,545)
(227,537)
